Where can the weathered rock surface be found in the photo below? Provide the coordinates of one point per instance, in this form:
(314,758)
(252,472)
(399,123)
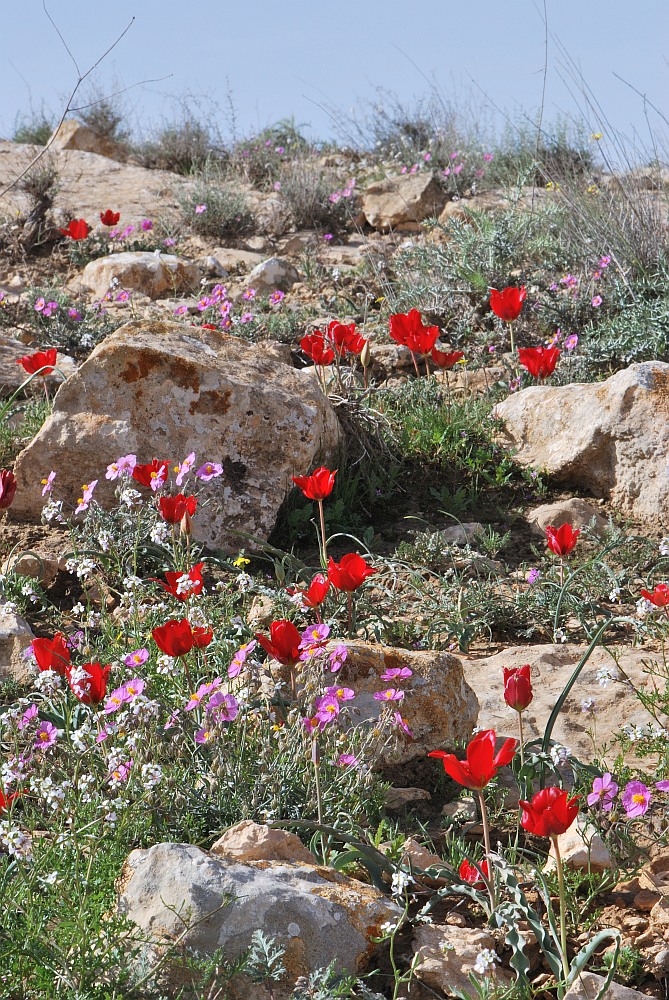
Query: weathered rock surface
(439,706)
(572,510)
(610,438)
(164,390)
(154,274)
(581,848)
(447,956)
(397,201)
(271,275)
(614,703)
(249,841)
(73,135)
(588,986)
(316,913)
(15,637)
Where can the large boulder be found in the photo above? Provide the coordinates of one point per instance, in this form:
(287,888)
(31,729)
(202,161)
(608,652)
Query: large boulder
(402,201)
(163,390)
(157,275)
(73,135)
(610,438)
(176,891)
(599,704)
(439,706)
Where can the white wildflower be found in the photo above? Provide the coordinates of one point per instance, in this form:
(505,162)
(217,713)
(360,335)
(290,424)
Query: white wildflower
(485,961)
(560,754)
(400,882)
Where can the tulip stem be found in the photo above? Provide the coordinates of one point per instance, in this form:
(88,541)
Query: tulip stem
(513,346)
(316,761)
(522,740)
(349,597)
(486,842)
(563,907)
(324,554)
(415,364)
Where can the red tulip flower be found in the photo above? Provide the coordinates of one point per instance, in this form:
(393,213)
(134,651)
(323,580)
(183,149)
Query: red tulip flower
(152,474)
(202,636)
(7,488)
(508,303)
(482,763)
(539,361)
(408,329)
(517,687)
(6,800)
(561,541)
(40,359)
(550,812)
(349,573)
(175,638)
(77,229)
(446,359)
(314,346)
(318,485)
(109,218)
(283,643)
(93,690)
(172,509)
(52,654)
(470,874)
(659,597)
(316,594)
(184,585)
(345,338)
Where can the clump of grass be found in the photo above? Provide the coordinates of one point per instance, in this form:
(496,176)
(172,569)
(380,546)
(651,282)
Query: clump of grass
(35,127)
(314,198)
(214,208)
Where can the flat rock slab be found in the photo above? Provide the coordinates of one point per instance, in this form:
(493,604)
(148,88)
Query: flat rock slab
(609,438)
(158,275)
(614,703)
(163,390)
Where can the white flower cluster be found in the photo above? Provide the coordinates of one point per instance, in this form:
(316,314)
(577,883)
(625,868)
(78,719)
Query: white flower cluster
(160,533)
(643,607)
(605,675)
(560,754)
(15,841)
(664,547)
(400,883)
(48,682)
(151,775)
(166,665)
(49,790)
(485,961)
(81,567)
(52,511)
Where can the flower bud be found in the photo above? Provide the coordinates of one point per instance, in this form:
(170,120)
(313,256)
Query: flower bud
(366,355)
(186,524)
(517,687)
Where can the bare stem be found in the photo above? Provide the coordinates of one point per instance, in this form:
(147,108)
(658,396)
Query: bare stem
(563,907)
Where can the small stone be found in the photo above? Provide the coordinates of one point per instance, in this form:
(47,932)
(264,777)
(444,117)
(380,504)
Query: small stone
(402,201)
(588,986)
(272,275)
(581,849)
(579,513)
(15,637)
(157,275)
(249,841)
(398,798)
(447,955)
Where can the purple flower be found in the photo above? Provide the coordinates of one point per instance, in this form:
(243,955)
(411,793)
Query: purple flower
(239,658)
(123,296)
(48,483)
(337,658)
(209,471)
(200,694)
(224,706)
(128,231)
(604,791)
(276,297)
(635,798)
(199,209)
(136,658)
(246,318)
(662,786)
(347,760)
(390,694)
(342,693)
(45,736)
(74,314)
(121,773)
(571,342)
(533,575)
(204,735)
(314,634)
(395,673)
(402,724)
(327,708)
(184,468)
(596,302)
(327,237)
(121,466)
(27,717)
(181,310)
(146,225)
(169,242)
(604,262)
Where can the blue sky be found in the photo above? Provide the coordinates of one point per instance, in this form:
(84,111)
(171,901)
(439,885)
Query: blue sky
(303,58)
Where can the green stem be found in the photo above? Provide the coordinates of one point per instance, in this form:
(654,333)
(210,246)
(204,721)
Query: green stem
(513,346)
(324,553)
(563,908)
(488,853)
(522,740)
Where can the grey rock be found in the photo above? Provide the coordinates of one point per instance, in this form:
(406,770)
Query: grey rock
(15,637)
(272,275)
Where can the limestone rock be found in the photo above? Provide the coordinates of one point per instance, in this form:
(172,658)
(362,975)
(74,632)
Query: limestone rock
(42,566)
(163,390)
(610,438)
(15,637)
(316,913)
(614,704)
(581,848)
(439,706)
(488,201)
(579,513)
(588,985)
(73,135)
(397,201)
(232,259)
(154,274)
(462,534)
(398,798)
(447,955)
(272,274)
(249,841)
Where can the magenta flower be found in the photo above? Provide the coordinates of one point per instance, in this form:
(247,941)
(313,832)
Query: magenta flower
(604,262)
(200,694)
(27,717)
(169,242)
(136,658)
(636,799)
(128,231)
(347,760)
(327,237)
(276,297)
(533,575)
(396,673)
(314,634)
(402,724)
(122,466)
(488,157)
(204,735)
(249,294)
(662,786)
(239,658)
(597,301)
(123,296)
(121,773)
(246,318)
(341,693)
(86,496)
(184,468)
(146,225)
(74,314)
(48,483)
(45,736)
(337,658)
(181,310)
(199,209)
(390,694)
(225,707)
(571,342)
(209,471)
(604,791)
(327,708)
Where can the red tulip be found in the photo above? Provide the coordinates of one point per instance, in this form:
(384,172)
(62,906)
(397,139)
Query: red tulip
(659,597)
(446,359)
(283,644)
(470,873)
(178,584)
(6,800)
(202,636)
(561,541)
(349,573)
(318,485)
(40,359)
(313,345)
(507,303)
(7,488)
(315,595)
(152,474)
(517,687)
(482,762)
(52,654)
(172,509)
(345,338)
(539,361)
(549,813)
(175,638)
(109,218)
(408,329)
(92,690)
(77,229)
